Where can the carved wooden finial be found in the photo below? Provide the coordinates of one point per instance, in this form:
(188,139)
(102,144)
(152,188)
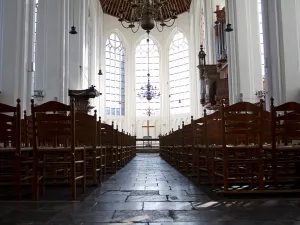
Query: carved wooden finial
(272,101)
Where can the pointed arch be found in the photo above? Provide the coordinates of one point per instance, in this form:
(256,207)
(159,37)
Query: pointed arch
(114,76)
(141,71)
(179,74)
(120,35)
(144,36)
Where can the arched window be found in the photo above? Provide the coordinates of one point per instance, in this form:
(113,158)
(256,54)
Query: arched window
(179,75)
(115,76)
(141,70)
(261,35)
(35,20)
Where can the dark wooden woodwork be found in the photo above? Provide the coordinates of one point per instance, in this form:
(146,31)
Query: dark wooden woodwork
(57,160)
(15,162)
(82,97)
(215,77)
(240,149)
(113,7)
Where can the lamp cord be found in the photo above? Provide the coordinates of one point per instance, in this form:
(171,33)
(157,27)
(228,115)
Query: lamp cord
(148,60)
(73,12)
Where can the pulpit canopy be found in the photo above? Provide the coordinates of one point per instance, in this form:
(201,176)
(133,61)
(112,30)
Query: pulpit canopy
(91,92)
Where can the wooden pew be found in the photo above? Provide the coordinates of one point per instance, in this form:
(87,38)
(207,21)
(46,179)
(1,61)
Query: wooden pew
(15,161)
(285,155)
(107,139)
(239,159)
(200,149)
(56,158)
(86,136)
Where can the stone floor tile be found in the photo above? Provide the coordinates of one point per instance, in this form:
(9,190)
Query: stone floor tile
(201,216)
(70,206)
(141,216)
(133,188)
(188,198)
(181,223)
(108,206)
(144,193)
(84,217)
(168,206)
(151,198)
(117,193)
(107,198)
(172,192)
(28,216)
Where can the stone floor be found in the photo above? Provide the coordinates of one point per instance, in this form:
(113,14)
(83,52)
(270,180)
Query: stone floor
(149,191)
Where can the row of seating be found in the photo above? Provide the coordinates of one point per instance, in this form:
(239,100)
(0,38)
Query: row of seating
(56,146)
(240,149)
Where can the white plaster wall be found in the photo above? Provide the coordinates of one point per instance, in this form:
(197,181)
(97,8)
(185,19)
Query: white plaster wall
(14,50)
(162,39)
(290,11)
(244,59)
(62,60)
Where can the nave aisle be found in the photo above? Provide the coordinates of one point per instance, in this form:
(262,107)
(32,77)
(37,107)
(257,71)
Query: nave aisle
(149,191)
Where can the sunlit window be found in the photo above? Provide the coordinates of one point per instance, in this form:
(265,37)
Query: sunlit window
(35,20)
(261,35)
(179,75)
(141,70)
(115,76)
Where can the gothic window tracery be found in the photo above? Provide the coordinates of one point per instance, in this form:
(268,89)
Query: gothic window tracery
(179,74)
(115,76)
(141,70)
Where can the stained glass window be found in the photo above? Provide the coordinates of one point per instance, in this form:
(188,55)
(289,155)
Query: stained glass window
(115,76)
(141,70)
(179,75)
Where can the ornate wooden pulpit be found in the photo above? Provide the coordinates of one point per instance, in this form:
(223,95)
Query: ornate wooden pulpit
(215,77)
(82,98)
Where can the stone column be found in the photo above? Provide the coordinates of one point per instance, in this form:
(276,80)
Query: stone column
(14,39)
(282,49)
(52,50)
(194,47)
(244,59)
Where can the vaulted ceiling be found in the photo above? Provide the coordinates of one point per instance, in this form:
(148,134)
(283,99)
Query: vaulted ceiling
(113,7)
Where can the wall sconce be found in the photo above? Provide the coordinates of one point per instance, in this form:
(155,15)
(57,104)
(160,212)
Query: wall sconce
(228,26)
(73,28)
(39,95)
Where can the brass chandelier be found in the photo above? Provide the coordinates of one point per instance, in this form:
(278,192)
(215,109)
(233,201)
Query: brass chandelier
(148,91)
(147,14)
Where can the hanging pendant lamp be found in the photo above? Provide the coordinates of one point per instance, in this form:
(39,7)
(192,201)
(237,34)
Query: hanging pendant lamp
(73,28)
(228,26)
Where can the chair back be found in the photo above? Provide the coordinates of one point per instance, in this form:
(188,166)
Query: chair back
(53,124)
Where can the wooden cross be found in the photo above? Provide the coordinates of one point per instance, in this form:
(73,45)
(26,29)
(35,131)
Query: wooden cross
(148,126)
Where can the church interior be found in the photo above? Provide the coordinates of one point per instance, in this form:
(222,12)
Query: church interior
(150,112)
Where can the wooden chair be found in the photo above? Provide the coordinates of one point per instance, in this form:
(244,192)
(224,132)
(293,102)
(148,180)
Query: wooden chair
(56,159)
(200,150)
(240,155)
(15,162)
(107,140)
(213,142)
(189,150)
(86,136)
(285,148)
